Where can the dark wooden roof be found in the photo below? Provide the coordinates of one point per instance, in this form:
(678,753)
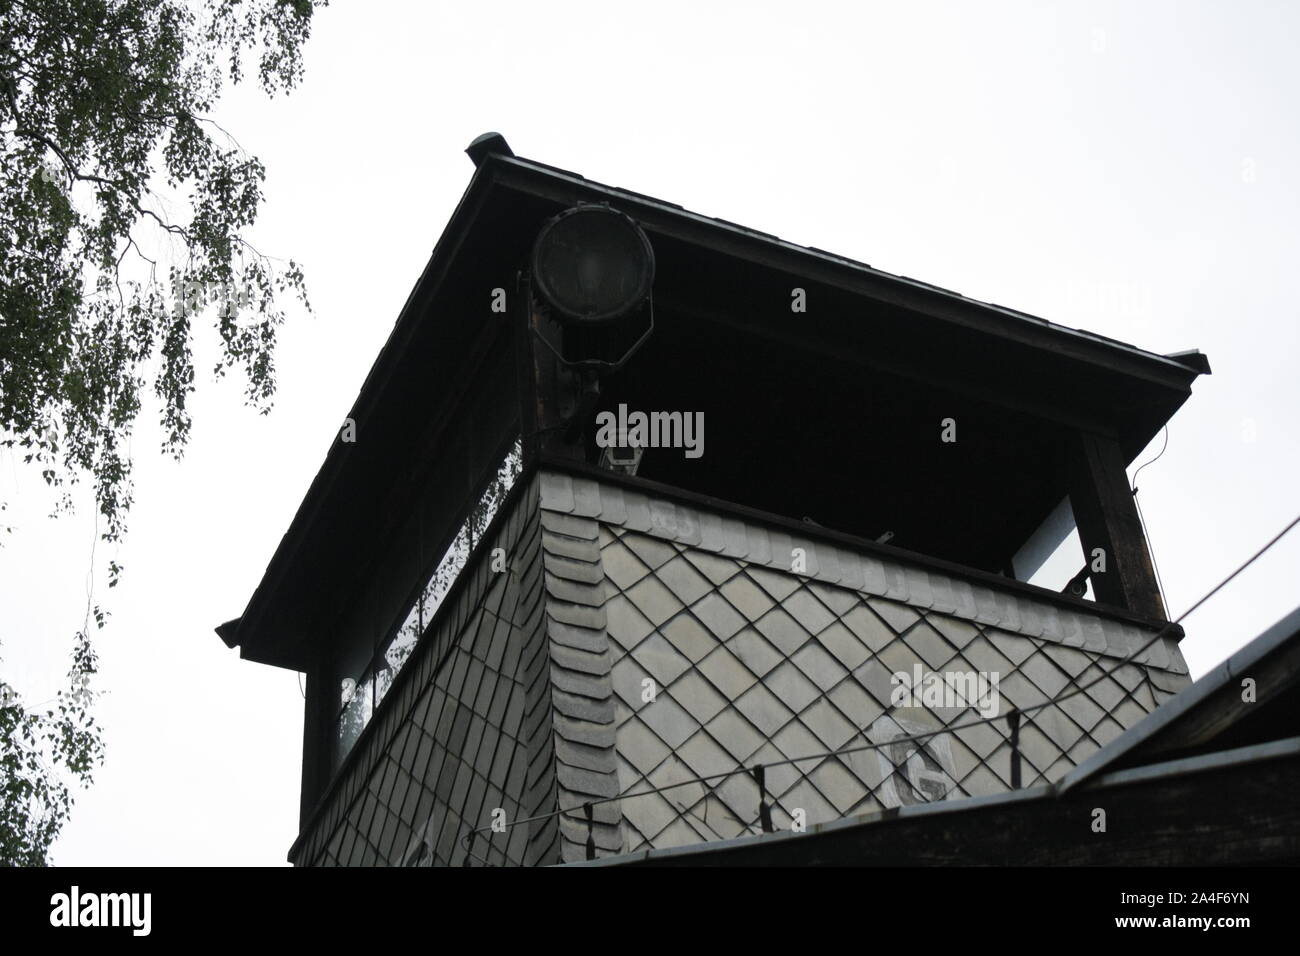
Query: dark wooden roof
(722,297)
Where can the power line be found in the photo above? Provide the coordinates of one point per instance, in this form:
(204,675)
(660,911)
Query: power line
(1159,455)
(1142,518)
(1160,584)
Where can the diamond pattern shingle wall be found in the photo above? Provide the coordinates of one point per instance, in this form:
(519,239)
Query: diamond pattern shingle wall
(581,697)
(750,663)
(639,642)
(466,731)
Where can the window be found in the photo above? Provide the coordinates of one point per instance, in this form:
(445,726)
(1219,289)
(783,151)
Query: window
(362,694)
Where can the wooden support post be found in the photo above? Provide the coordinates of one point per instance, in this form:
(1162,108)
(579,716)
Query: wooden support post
(1013,722)
(1107,519)
(319,736)
(764,811)
(525,371)
(591,830)
(549,393)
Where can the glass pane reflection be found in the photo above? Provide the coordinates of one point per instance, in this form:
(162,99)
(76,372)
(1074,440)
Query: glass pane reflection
(360,695)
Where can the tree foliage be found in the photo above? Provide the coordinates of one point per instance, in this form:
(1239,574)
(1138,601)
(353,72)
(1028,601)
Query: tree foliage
(101,279)
(124,212)
(39,748)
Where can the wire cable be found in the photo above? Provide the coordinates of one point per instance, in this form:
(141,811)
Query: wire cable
(1159,455)
(1155,565)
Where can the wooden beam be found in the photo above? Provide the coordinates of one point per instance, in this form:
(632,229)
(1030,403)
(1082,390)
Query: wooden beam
(550,393)
(1107,518)
(863,356)
(319,735)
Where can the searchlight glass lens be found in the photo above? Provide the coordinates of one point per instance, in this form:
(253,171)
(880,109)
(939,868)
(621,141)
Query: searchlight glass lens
(593,264)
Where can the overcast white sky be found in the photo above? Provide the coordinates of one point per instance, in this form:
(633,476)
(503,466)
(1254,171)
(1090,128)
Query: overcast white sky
(1131,169)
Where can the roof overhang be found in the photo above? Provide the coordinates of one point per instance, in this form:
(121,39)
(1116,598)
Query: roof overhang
(885,322)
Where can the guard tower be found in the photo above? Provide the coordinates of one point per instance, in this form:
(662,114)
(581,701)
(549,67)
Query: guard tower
(645,524)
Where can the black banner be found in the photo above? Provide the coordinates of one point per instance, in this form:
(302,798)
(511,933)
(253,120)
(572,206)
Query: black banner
(953,906)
